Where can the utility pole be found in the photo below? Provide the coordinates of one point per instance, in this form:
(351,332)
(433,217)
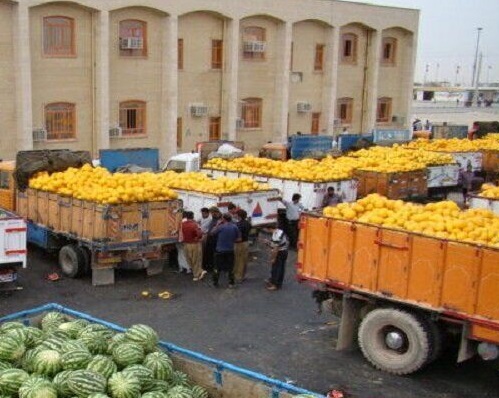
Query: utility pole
(456,81)
(479,30)
(477,81)
(436,73)
(427,68)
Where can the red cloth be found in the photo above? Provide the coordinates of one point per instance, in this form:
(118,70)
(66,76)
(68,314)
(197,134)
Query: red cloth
(191,232)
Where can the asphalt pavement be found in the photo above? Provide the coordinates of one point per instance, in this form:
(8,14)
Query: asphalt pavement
(275,333)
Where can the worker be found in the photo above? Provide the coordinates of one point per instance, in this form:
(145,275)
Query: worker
(192,237)
(233,209)
(227,234)
(205,220)
(183,265)
(241,247)
(331,198)
(293,212)
(211,240)
(278,255)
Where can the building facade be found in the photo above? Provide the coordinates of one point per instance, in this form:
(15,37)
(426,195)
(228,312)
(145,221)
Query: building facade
(92,74)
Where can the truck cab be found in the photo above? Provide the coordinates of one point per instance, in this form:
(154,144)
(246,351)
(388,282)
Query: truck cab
(183,162)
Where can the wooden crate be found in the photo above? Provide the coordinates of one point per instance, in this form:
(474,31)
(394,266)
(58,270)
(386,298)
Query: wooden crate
(65,213)
(392,185)
(22,204)
(163,220)
(490,161)
(76,218)
(88,220)
(32,205)
(42,199)
(54,219)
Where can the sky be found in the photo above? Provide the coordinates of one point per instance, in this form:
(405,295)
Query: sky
(448,36)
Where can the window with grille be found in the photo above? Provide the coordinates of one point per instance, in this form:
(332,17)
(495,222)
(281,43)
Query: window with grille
(319,58)
(133,118)
(133,38)
(60,121)
(389,48)
(316,117)
(345,110)
(349,48)
(384,113)
(254,43)
(179,132)
(216,54)
(59,37)
(251,113)
(180,50)
(215,126)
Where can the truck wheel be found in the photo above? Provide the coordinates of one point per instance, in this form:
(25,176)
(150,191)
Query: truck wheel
(394,341)
(435,338)
(71,261)
(87,264)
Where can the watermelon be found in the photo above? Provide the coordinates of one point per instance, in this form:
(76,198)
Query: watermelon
(199,392)
(5,365)
(123,386)
(93,328)
(86,382)
(73,328)
(11,380)
(47,362)
(103,365)
(143,335)
(98,395)
(34,337)
(4,327)
(154,394)
(60,382)
(73,345)
(126,354)
(142,373)
(74,360)
(95,342)
(158,385)
(37,387)
(20,334)
(117,339)
(179,392)
(52,320)
(160,364)
(11,349)
(28,357)
(179,378)
(53,343)
(59,333)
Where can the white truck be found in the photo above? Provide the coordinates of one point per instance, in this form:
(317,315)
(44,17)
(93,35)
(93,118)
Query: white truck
(13,253)
(261,206)
(479,202)
(441,176)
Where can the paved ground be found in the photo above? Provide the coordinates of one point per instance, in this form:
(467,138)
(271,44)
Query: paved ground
(276,333)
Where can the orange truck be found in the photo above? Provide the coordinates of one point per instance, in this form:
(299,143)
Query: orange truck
(400,293)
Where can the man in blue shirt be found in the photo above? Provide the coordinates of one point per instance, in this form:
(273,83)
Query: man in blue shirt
(227,234)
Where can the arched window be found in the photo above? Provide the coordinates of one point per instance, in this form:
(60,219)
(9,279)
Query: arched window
(345,110)
(60,121)
(384,112)
(349,48)
(133,118)
(254,42)
(133,38)
(59,37)
(251,113)
(389,51)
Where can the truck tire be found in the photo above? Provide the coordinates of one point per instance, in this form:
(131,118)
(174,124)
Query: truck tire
(87,264)
(394,341)
(435,338)
(72,261)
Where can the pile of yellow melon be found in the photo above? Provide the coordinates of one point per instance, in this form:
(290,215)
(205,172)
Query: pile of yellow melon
(489,142)
(442,220)
(489,191)
(101,186)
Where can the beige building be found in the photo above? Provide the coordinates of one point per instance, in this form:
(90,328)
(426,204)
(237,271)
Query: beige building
(93,74)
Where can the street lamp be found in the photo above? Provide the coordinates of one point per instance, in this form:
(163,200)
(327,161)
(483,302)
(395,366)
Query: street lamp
(479,30)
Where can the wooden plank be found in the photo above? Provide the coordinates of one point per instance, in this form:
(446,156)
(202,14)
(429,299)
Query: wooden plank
(53,212)
(65,213)
(341,239)
(76,217)
(88,217)
(42,199)
(22,204)
(366,257)
(488,287)
(316,252)
(32,205)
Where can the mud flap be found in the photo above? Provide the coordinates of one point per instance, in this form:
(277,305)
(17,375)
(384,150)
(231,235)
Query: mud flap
(466,347)
(349,323)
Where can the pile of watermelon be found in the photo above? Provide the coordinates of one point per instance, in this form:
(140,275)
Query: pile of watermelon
(66,358)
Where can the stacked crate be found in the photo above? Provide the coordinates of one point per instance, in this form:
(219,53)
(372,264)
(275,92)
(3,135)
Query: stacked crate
(397,185)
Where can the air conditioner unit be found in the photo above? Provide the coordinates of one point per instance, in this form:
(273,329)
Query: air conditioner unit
(115,132)
(337,123)
(132,43)
(254,46)
(39,135)
(303,107)
(239,124)
(198,110)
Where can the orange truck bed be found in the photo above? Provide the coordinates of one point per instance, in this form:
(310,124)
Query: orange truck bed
(454,279)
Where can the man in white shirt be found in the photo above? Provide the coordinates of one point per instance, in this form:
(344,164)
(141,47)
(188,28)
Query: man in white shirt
(293,212)
(205,220)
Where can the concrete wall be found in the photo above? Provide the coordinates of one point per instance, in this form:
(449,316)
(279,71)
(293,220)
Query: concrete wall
(8,125)
(98,78)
